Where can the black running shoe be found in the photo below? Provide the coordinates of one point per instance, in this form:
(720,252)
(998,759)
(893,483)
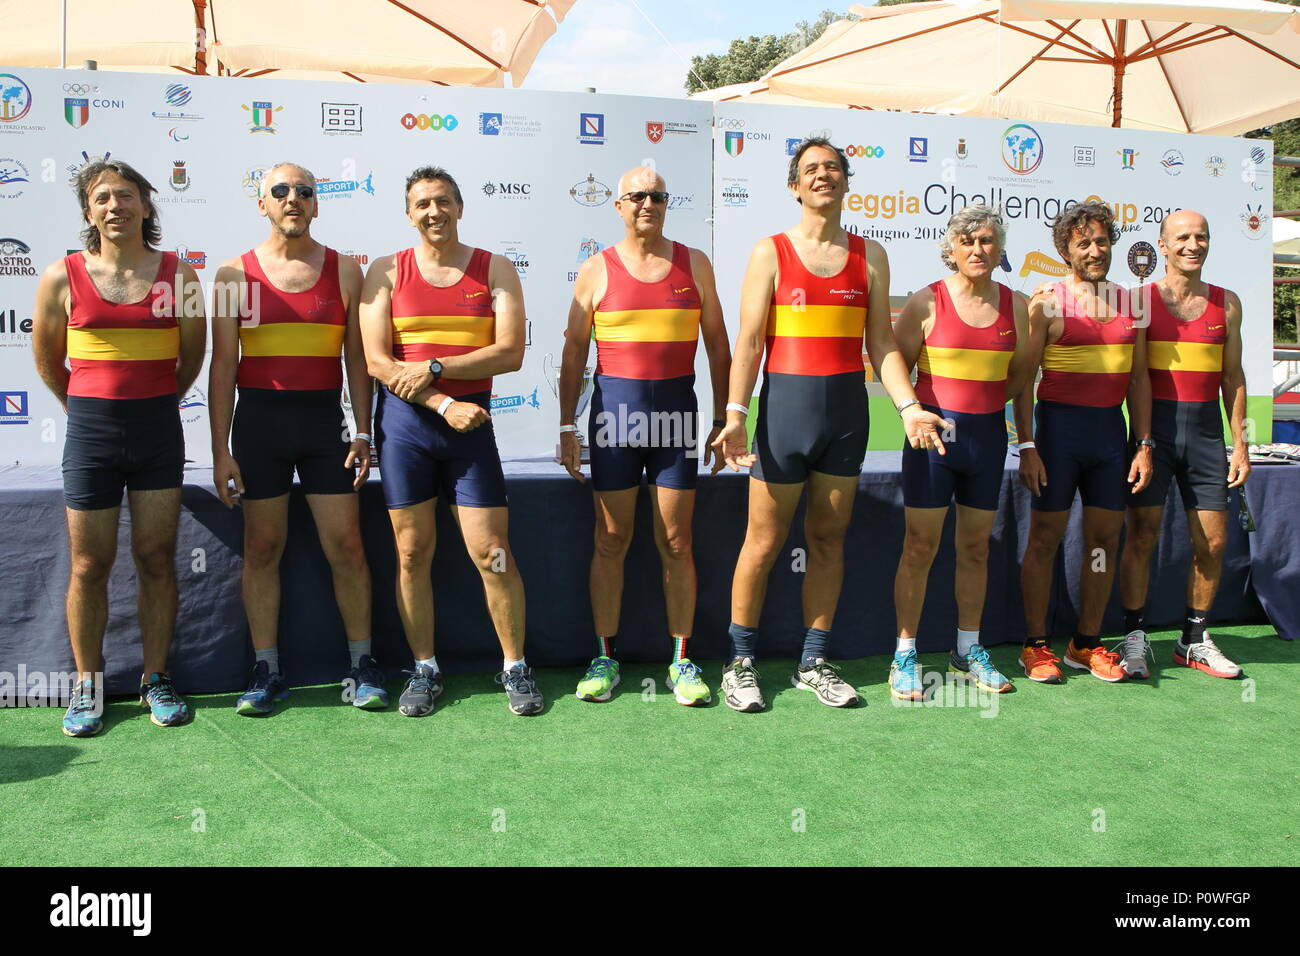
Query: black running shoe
(421,691)
(522,693)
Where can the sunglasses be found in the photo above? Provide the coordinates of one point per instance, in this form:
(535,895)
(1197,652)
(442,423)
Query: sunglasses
(280,190)
(639,196)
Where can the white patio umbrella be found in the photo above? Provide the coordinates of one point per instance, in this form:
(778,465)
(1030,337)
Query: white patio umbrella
(1187,66)
(450,42)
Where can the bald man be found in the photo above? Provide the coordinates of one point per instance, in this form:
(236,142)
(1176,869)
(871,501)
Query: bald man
(284,330)
(648,300)
(1194,356)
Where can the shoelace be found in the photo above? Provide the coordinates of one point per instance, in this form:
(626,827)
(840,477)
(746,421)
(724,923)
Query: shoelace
(907,662)
(370,674)
(600,668)
(1210,652)
(1133,647)
(261,679)
(689,671)
(419,682)
(1042,655)
(980,657)
(162,693)
(745,675)
(83,699)
(518,681)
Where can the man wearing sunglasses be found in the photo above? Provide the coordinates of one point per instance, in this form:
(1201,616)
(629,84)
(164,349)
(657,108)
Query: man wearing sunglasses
(438,321)
(283,313)
(648,300)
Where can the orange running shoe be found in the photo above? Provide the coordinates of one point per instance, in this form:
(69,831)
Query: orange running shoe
(1040,663)
(1101,663)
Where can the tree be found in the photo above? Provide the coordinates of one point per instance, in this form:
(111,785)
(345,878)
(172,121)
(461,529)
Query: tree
(748,59)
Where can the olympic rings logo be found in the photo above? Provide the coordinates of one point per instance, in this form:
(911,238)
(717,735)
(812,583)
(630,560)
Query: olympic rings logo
(79,89)
(435,122)
(866,152)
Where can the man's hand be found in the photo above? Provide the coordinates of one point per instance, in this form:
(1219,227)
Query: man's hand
(925,429)
(1033,475)
(225,471)
(732,445)
(411,379)
(1239,466)
(571,454)
(359,456)
(710,453)
(1142,470)
(466,416)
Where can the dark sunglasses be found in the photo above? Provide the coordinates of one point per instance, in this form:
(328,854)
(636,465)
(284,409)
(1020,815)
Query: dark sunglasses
(280,190)
(640,196)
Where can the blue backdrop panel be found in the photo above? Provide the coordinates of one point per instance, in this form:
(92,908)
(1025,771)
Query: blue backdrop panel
(551,534)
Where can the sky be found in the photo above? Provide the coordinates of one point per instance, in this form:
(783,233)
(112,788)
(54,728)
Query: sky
(609,45)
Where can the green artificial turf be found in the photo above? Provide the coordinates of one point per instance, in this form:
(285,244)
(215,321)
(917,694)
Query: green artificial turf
(1179,770)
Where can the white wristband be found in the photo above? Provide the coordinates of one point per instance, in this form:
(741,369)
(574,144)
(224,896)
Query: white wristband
(446,404)
(908,404)
(361,436)
(568,428)
(737,407)
(1021,446)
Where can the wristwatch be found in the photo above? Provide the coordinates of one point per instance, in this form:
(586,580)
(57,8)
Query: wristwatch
(1149,442)
(435,369)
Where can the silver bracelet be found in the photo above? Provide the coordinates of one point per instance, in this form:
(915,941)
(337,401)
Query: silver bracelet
(908,404)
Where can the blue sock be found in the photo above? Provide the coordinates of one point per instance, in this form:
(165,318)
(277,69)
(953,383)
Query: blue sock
(742,640)
(814,647)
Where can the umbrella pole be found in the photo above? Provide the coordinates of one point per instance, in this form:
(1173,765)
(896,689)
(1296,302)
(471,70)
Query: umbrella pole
(1117,94)
(200,39)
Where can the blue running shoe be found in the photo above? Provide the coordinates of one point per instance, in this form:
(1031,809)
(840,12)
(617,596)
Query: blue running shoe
(364,687)
(977,667)
(166,707)
(905,676)
(84,716)
(265,690)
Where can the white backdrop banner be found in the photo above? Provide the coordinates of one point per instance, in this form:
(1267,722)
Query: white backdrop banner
(912,172)
(538,172)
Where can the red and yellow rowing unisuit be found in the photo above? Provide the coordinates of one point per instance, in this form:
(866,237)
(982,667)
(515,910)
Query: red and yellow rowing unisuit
(1091,361)
(297,338)
(1186,358)
(647,330)
(433,322)
(816,324)
(961,368)
(122,351)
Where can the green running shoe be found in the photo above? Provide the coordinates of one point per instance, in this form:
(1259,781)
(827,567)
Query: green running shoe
(600,680)
(686,681)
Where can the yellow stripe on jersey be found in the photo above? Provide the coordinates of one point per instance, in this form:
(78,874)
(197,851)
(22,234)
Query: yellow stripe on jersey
(291,338)
(473,330)
(1185,356)
(973,365)
(817,321)
(124,345)
(648,325)
(1088,358)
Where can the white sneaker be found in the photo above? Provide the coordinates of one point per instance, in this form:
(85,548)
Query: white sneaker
(1133,652)
(824,680)
(740,686)
(1205,655)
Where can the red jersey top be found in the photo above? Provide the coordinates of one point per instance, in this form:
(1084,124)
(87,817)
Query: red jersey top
(647,330)
(964,369)
(294,339)
(1186,358)
(816,324)
(1091,361)
(434,322)
(122,351)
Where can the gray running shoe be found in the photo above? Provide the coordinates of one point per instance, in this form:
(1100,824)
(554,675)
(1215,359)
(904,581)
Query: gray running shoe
(1133,653)
(420,692)
(740,686)
(521,691)
(824,680)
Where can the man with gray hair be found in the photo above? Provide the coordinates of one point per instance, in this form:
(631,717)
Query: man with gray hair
(284,313)
(648,300)
(968,336)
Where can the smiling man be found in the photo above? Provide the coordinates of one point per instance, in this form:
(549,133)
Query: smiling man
(813,296)
(284,315)
(1194,350)
(648,299)
(1087,334)
(118,334)
(438,321)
